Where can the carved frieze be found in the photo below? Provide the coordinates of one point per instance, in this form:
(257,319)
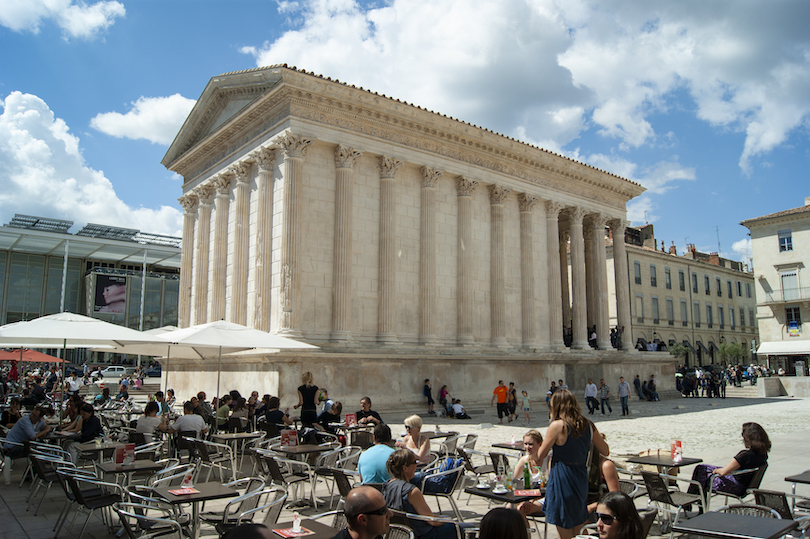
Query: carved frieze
(346,157)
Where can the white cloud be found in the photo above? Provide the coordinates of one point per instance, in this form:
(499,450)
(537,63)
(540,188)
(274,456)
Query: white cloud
(742,248)
(42,172)
(156,119)
(76,20)
(544,70)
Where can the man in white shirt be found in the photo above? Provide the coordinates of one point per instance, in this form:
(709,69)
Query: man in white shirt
(590,396)
(189,421)
(73,384)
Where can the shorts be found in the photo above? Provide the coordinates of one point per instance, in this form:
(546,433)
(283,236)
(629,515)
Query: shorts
(525,409)
(502,410)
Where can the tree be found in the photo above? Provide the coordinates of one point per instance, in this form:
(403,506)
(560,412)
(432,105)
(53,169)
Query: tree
(731,352)
(678,350)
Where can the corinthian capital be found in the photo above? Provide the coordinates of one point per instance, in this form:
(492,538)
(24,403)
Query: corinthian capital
(598,221)
(265,158)
(204,192)
(188,201)
(465,186)
(294,146)
(553,209)
(346,157)
(430,176)
(388,167)
(497,194)
(526,202)
(222,183)
(241,169)
(576,214)
(618,226)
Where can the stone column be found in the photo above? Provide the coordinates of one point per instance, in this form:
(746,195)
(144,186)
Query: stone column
(241,236)
(528,302)
(579,319)
(622,283)
(342,272)
(386,314)
(295,148)
(427,256)
(466,261)
(497,195)
(566,296)
(265,159)
(590,300)
(555,321)
(222,183)
(600,283)
(189,203)
(203,193)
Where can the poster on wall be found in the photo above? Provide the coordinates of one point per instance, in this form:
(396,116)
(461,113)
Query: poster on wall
(111,294)
(793,329)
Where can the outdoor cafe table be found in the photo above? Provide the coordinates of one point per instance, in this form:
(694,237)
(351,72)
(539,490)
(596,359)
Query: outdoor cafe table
(320,531)
(663,460)
(733,526)
(803,478)
(517,446)
(128,469)
(302,449)
(206,492)
(507,497)
(233,437)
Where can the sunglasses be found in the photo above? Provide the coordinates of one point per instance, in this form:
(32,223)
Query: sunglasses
(606,519)
(379,512)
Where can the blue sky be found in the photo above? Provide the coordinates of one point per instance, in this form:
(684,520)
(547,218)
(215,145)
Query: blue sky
(707,104)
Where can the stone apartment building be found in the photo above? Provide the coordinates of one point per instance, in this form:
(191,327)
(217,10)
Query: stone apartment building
(696,299)
(404,243)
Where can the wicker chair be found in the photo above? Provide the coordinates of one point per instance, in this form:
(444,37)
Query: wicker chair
(749,509)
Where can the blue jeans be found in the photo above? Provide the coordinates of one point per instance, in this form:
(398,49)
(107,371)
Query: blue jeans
(606,402)
(625,407)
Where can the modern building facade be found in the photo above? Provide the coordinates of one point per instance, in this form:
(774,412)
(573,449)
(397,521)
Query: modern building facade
(98,271)
(697,299)
(780,243)
(396,239)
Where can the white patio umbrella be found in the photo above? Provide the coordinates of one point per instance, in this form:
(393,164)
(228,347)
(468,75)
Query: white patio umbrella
(212,340)
(69,330)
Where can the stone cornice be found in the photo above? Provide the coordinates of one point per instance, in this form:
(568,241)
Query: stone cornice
(317,100)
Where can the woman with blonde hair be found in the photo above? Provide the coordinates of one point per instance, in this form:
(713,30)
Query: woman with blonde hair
(570,435)
(307,399)
(538,469)
(414,441)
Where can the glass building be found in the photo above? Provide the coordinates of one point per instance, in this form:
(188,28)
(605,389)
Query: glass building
(99,271)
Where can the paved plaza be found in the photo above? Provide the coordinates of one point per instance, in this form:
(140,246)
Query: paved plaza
(708,429)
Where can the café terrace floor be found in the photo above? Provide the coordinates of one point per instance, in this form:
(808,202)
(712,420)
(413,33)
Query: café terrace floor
(708,429)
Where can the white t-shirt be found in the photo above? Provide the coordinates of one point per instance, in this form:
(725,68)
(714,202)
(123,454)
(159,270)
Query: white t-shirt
(590,390)
(147,425)
(458,409)
(189,422)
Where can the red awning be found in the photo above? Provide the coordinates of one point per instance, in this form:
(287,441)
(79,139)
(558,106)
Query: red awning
(28,355)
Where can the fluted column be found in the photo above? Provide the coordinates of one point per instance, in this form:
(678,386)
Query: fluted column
(600,283)
(241,236)
(222,183)
(342,272)
(466,261)
(622,283)
(295,148)
(497,195)
(189,203)
(566,296)
(203,193)
(386,314)
(590,300)
(427,256)
(265,159)
(555,321)
(579,320)
(528,302)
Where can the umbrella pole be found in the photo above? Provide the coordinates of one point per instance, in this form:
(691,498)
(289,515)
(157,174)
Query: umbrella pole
(168,357)
(62,381)
(219,373)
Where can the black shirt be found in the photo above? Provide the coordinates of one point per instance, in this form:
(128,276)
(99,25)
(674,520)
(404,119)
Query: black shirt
(275,417)
(91,429)
(371,413)
(748,460)
(326,418)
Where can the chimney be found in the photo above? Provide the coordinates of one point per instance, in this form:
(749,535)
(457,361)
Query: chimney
(672,249)
(807,201)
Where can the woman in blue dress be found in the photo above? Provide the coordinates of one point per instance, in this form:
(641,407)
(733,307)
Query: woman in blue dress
(570,435)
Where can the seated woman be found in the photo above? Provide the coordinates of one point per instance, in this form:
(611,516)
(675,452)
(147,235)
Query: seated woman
(102,398)
(532,441)
(402,495)
(414,441)
(618,517)
(224,411)
(261,407)
(170,398)
(274,415)
(240,411)
(331,416)
(757,444)
(12,415)
(149,421)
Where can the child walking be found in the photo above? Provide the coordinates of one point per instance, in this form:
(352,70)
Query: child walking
(527,405)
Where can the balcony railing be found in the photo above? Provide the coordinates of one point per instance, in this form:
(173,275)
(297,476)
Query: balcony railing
(788,295)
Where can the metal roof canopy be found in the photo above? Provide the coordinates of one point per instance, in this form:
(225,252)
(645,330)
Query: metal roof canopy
(43,242)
